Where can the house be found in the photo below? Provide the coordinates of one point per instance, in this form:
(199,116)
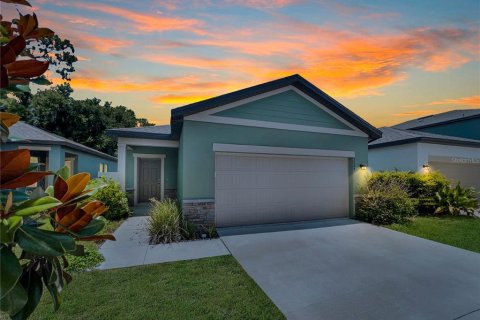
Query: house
(276,152)
(457,123)
(53,152)
(419,151)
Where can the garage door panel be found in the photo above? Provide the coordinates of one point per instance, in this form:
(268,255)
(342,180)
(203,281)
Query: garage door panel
(468,174)
(235,180)
(265,189)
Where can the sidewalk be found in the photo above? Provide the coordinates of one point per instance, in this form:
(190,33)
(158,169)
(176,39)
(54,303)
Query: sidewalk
(132,247)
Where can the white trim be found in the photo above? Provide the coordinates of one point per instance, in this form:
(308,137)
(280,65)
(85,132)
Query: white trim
(35,148)
(148,142)
(137,156)
(208,116)
(121,164)
(238,148)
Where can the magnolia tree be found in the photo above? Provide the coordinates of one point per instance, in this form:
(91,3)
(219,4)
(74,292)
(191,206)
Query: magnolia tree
(37,228)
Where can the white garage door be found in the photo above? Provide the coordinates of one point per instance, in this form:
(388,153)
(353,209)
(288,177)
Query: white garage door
(254,188)
(468,174)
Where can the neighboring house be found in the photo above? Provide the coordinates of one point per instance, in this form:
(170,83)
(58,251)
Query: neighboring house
(410,150)
(457,123)
(276,152)
(53,152)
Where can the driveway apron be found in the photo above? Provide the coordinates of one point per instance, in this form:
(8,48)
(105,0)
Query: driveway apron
(359,271)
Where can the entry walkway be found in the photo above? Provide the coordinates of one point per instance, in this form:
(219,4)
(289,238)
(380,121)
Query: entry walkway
(133,249)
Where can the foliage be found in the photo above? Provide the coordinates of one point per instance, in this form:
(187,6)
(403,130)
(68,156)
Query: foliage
(33,258)
(455,200)
(86,262)
(459,231)
(421,187)
(164,223)
(385,202)
(211,288)
(113,197)
(83,121)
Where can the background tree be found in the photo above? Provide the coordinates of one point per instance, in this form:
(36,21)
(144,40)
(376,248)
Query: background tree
(83,121)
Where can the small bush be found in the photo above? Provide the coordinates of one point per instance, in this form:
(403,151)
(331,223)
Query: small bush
(165,223)
(91,259)
(113,197)
(421,187)
(385,202)
(455,200)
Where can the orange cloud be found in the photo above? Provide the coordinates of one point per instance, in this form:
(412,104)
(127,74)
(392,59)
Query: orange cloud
(473,101)
(178,98)
(146,22)
(416,113)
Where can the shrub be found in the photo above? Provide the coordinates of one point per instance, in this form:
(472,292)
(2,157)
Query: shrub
(421,187)
(165,223)
(456,200)
(88,261)
(385,202)
(113,197)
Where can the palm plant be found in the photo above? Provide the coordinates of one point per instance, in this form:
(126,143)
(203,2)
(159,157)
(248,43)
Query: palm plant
(456,200)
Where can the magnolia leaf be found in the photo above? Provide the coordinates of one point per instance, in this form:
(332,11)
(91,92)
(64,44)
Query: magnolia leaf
(9,118)
(44,243)
(26,68)
(32,283)
(94,227)
(49,191)
(41,81)
(13,164)
(11,270)
(76,184)
(22,2)
(60,187)
(35,206)
(8,228)
(63,172)
(14,301)
(40,33)
(24,180)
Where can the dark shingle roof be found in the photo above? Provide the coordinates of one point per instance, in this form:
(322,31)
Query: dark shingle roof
(159,132)
(295,80)
(395,136)
(24,133)
(440,118)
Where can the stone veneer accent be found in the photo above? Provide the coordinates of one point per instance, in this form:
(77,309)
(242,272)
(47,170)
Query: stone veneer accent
(170,193)
(199,212)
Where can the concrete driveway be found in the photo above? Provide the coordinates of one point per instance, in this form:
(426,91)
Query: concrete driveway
(346,270)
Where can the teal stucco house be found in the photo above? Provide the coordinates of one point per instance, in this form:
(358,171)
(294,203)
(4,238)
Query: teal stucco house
(53,152)
(276,152)
(447,142)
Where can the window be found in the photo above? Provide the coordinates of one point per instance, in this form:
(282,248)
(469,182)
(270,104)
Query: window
(103,167)
(70,163)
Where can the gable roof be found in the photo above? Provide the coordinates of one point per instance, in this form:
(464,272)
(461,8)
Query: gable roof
(439,119)
(394,136)
(26,134)
(178,114)
(149,132)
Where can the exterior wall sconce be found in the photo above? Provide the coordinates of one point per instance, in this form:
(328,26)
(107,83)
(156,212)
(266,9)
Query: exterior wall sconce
(426,166)
(363,166)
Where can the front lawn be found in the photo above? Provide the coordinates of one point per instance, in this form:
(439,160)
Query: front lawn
(211,288)
(462,231)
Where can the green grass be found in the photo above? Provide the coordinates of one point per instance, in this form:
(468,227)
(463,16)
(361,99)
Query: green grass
(462,232)
(211,288)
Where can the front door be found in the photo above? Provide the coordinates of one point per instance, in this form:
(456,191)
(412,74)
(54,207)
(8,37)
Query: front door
(149,179)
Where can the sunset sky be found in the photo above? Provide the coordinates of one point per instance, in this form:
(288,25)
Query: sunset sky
(388,61)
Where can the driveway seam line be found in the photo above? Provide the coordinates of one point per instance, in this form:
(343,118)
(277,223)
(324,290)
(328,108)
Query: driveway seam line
(466,314)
